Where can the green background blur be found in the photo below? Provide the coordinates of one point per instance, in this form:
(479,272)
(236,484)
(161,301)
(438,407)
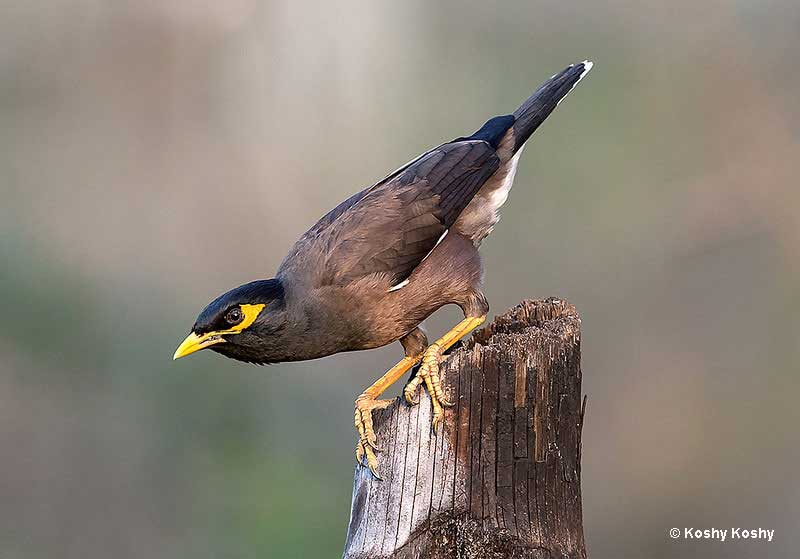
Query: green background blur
(154,154)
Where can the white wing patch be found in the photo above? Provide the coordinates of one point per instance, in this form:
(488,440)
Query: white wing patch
(400,285)
(404,283)
(441,238)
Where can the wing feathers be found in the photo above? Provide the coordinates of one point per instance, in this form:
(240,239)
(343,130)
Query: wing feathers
(392,226)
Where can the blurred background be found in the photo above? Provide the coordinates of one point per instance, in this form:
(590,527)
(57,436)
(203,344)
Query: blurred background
(154,154)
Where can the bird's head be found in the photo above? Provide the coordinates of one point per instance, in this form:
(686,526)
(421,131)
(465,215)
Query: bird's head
(244,323)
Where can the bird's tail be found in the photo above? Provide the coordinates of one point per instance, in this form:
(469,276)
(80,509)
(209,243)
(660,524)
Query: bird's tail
(544,100)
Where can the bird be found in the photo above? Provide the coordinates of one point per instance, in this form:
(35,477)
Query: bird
(371,270)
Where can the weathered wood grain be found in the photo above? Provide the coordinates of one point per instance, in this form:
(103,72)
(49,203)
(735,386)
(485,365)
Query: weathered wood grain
(501,478)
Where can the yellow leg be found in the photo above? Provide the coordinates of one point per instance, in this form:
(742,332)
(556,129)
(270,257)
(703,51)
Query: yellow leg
(367,402)
(429,371)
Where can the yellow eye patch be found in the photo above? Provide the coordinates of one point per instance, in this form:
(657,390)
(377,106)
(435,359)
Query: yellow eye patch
(193,342)
(250,313)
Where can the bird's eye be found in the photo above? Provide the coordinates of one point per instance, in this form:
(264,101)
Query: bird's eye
(234,316)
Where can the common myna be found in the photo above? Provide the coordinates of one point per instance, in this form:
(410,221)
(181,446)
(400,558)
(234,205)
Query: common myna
(372,269)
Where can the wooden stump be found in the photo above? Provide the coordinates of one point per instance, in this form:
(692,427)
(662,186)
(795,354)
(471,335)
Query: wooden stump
(501,479)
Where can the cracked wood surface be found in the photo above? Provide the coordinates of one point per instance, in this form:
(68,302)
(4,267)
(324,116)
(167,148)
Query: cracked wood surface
(501,479)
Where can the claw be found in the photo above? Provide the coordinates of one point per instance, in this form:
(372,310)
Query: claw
(429,374)
(359,453)
(372,464)
(437,419)
(411,391)
(366,447)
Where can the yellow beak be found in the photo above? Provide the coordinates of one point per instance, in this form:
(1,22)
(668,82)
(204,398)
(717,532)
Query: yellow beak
(193,343)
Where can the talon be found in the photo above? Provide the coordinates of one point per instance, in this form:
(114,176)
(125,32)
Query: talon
(411,391)
(372,464)
(437,419)
(367,439)
(429,374)
(373,444)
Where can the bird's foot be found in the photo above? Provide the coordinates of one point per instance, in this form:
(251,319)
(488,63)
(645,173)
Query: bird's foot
(429,373)
(367,440)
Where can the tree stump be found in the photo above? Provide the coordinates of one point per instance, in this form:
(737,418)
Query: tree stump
(501,478)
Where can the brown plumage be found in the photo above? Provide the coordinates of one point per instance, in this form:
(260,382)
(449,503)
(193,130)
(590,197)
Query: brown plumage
(372,269)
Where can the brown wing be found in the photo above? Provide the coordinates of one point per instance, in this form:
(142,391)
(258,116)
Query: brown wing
(390,227)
